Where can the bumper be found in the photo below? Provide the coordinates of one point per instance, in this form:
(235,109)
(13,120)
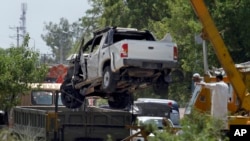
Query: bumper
(150,64)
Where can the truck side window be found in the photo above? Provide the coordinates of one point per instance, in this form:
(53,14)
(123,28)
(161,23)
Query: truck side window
(109,38)
(87,46)
(106,43)
(59,99)
(96,44)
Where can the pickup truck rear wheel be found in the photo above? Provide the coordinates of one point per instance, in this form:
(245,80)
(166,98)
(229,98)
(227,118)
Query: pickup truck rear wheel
(108,81)
(71,98)
(120,100)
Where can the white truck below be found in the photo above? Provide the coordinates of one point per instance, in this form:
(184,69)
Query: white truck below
(115,63)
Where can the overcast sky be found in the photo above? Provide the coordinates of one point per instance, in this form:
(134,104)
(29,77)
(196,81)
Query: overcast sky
(38,12)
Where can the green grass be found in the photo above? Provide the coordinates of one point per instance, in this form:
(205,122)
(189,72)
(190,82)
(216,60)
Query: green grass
(20,135)
(5,135)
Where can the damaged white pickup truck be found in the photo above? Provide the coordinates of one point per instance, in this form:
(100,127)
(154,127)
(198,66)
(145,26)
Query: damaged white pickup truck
(115,63)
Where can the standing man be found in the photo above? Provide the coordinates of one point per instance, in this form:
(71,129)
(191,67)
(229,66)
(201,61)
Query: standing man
(219,98)
(196,79)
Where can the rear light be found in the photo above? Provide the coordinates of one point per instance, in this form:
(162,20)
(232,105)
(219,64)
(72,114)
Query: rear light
(175,53)
(170,104)
(124,52)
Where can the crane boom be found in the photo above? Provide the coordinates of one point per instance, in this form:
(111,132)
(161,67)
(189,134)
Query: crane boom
(212,34)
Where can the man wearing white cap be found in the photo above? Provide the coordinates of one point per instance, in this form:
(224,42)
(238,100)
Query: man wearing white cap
(197,77)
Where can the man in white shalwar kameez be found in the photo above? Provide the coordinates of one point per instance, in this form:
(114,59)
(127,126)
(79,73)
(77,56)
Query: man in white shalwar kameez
(219,99)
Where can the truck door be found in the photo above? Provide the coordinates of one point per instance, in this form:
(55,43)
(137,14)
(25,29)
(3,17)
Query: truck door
(84,58)
(93,58)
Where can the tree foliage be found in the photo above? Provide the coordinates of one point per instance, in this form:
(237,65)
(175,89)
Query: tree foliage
(232,20)
(91,20)
(19,67)
(61,38)
(194,127)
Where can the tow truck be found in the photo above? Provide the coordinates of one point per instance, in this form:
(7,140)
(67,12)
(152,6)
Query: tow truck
(236,75)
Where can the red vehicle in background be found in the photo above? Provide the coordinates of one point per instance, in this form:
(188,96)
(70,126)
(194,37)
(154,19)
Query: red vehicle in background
(56,73)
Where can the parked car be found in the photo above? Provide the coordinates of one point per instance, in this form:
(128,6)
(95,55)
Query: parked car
(159,108)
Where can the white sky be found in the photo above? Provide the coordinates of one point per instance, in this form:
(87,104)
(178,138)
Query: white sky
(38,12)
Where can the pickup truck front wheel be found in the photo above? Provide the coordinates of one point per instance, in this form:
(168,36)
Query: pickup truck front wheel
(71,98)
(108,81)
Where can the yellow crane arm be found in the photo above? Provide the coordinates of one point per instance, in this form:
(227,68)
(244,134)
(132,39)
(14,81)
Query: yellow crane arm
(212,34)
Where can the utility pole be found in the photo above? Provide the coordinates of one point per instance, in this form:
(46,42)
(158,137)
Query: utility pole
(61,54)
(17,34)
(45,57)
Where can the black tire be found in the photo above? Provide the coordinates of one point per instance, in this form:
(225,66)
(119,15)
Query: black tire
(120,100)
(71,98)
(160,87)
(108,81)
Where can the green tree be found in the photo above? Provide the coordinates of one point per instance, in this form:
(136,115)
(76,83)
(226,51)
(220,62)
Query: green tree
(231,18)
(91,20)
(19,67)
(117,9)
(60,38)
(194,127)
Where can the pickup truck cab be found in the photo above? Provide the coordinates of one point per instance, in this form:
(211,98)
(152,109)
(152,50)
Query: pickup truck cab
(115,63)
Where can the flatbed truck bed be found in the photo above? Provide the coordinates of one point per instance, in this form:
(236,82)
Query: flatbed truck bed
(63,124)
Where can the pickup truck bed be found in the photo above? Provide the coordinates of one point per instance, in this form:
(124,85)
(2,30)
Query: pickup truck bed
(93,124)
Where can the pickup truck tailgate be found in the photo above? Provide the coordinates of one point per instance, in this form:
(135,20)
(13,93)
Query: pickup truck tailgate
(153,50)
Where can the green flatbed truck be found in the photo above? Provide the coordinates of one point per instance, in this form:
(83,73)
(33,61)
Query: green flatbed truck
(62,124)
(41,117)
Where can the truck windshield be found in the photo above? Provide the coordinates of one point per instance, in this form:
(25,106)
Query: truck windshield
(42,98)
(157,122)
